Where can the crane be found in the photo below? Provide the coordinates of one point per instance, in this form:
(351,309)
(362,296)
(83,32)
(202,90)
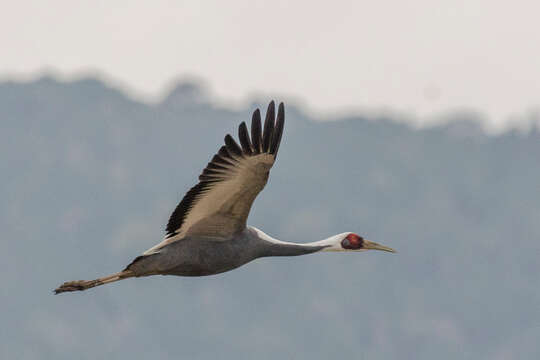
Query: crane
(207,232)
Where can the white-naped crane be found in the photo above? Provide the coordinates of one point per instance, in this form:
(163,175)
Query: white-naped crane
(207,232)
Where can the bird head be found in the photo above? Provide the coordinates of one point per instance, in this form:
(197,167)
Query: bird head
(352,242)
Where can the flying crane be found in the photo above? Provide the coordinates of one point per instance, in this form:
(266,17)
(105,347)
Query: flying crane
(207,232)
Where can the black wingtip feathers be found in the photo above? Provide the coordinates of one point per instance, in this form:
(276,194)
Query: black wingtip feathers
(256,132)
(269,126)
(278,130)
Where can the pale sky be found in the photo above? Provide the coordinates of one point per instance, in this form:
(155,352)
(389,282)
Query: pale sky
(421,58)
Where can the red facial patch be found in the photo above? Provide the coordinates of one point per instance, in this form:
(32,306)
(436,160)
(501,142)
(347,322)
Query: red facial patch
(352,241)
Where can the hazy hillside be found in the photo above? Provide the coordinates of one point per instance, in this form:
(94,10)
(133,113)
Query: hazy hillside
(89,178)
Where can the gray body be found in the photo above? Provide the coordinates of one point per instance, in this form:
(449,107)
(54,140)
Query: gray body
(198,256)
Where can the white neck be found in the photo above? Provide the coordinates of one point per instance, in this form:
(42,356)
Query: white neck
(333,243)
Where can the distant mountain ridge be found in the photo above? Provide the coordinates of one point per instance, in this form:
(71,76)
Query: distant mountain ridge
(90,176)
(191,92)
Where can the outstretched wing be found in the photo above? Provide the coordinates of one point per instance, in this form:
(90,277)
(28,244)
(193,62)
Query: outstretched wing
(218,206)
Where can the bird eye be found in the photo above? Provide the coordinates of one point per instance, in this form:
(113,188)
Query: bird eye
(352,242)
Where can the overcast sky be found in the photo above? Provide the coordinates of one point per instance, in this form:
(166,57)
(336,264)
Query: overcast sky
(418,57)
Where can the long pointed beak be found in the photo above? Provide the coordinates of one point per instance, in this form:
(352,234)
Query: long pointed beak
(374,246)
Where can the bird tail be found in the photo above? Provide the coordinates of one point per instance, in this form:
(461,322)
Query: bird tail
(80,285)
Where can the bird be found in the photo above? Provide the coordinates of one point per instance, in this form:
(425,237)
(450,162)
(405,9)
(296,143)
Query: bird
(207,232)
